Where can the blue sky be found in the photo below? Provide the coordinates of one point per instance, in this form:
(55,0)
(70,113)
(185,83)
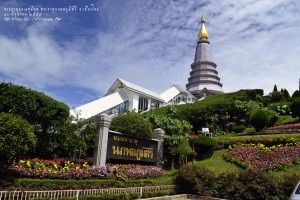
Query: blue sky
(255,44)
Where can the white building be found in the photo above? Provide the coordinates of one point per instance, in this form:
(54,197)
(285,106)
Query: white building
(123,96)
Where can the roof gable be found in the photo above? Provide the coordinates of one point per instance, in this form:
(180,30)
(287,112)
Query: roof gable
(135,88)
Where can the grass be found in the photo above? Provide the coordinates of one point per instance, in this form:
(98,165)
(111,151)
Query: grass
(290,170)
(286,119)
(167,179)
(217,164)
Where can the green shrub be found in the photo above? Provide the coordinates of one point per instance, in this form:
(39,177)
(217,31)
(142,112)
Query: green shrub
(16,137)
(132,124)
(273,117)
(238,129)
(247,184)
(295,107)
(281,108)
(204,145)
(158,193)
(190,176)
(259,119)
(52,184)
(124,196)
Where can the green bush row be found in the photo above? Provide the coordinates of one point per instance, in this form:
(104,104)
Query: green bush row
(158,193)
(238,129)
(244,185)
(50,184)
(275,141)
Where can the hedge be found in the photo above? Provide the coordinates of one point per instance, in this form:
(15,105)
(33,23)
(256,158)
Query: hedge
(244,185)
(50,184)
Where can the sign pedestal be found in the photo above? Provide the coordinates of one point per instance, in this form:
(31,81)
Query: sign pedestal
(103,122)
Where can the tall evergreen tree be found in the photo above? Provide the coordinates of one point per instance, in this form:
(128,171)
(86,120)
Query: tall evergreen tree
(275,88)
(286,94)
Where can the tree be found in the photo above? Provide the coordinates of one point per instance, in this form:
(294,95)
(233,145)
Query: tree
(276,97)
(184,149)
(36,107)
(40,110)
(295,107)
(296,94)
(275,88)
(286,94)
(132,124)
(170,125)
(16,137)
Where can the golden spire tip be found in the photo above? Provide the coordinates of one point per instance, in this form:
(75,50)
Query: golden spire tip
(203,34)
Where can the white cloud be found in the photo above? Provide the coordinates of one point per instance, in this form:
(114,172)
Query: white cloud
(152,43)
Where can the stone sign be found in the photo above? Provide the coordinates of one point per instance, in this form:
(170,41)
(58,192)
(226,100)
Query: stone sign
(113,145)
(124,147)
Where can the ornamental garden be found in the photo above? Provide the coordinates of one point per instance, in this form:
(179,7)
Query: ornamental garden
(254,152)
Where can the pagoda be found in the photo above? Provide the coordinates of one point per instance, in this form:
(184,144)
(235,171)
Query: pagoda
(203,80)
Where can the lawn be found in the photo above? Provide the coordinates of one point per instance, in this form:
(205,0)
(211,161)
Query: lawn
(217,164)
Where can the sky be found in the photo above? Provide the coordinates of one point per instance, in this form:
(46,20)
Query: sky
(73,50)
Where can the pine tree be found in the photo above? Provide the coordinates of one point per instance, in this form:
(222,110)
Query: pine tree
(275,88)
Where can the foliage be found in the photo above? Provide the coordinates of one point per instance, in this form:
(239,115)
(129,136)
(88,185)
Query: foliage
(295,107)
(132,124)
(36,107)
(59,184)
(287,119)
(244,109)
(281,108)
(286,94)
(247,184)
(170,125)
(40,110)
(238,129)
(158,193)
(204,144)
(74,140)
(184,148)
(58,169)
(16,137)
(276,97)
(273,117)
(259,119)
(123,196)
(296,94)
(200,113)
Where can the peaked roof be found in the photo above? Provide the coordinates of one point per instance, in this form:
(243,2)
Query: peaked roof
(135,88)
(172,92)
(100,105)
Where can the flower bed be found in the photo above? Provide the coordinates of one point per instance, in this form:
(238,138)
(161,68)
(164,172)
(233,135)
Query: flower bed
(58,169)
(263,158)
(287,128)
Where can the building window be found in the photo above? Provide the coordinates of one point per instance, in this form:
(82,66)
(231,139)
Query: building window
(119,109)
(143,104)
(154,104)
